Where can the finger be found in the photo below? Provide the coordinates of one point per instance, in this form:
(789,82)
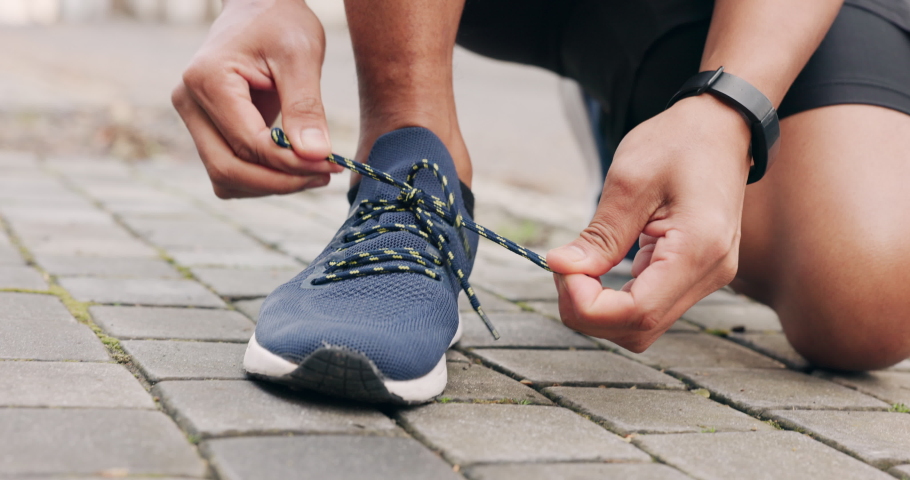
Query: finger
(621,215)
(643,256)
(593,309)
(297,76)
(226,99)
(232,177)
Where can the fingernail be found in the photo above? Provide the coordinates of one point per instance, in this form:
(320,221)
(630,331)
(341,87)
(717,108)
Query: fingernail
(314,139)
(573,253)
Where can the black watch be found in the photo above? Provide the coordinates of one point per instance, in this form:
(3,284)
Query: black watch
(751,103)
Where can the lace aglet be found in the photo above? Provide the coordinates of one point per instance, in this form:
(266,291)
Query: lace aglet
(489,324)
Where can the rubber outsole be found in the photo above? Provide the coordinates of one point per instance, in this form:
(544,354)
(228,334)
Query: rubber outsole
(344,373)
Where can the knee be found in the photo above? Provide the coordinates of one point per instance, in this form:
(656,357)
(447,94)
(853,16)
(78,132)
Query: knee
(847,328)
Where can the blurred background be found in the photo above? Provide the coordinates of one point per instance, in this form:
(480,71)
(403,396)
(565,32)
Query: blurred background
(93,77)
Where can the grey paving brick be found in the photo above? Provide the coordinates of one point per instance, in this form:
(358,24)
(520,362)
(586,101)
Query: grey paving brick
(879,438)
(627,411)
(892,387)
(734,317)
(470,381)
(83,240)
(456,356)
(549,309)
(902,472)
(774,345)
(517,289)
(903,366)
(305,250)
(757,390)
(524,329)
(71,266)
(696,350)
(48,441)
(9,255)
(211,408)
(171,360)
(136,291)
(755,455)
(574,471)
(238,259)
(26,278)
(164,323)
(489,302)
(38,327)
(476,433)
(70,384)
(581,367)
(192,233)
(341,457)
(250,308)
(56,215)
(243,282)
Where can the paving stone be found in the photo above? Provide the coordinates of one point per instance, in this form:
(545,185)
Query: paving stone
(38,327)
(489,302)
(774,345)
(170,360)
(9,255)
(574,471)
(724,295)
(238,259)
(456,356)
(250,308)
(903,366)
(26,278)
(892,387)
(477,433)
(48,441)
(70,266)
(902,472)
(211,408)
(581,367)
(305,250)
(549,309)
(56,216)
(879,438)
(734,317)
(191,234)
(755,455)
(336,457)
(760,389)
(471,382)
(696,350)
(520,330)
(244,282)
(627,411)
(521,290)
(70,384)
(173,323)
(136,291)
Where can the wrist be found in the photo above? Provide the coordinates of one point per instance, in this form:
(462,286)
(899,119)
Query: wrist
(716,118)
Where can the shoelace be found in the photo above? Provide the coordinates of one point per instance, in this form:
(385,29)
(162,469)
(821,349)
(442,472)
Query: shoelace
(424,206)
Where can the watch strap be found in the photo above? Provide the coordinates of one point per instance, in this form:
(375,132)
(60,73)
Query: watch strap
(751,103)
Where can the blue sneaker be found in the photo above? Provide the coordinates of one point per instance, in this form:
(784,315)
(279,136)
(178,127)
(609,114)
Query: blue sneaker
(372,317)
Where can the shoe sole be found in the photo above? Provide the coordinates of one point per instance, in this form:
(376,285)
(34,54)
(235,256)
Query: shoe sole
(345,373)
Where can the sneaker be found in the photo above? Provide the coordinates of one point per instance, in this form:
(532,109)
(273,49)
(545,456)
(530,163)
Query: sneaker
(372,317)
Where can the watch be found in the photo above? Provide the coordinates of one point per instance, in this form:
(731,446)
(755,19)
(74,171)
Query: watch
(748,101)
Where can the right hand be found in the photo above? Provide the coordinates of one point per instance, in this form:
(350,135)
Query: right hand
(260,58)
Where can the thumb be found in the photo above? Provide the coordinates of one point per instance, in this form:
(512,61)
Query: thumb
(603,244)
(302,112)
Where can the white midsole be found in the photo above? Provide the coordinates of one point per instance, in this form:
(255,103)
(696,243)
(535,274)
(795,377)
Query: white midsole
(258,360)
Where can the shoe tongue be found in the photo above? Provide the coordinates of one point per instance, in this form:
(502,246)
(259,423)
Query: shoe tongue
(396,153)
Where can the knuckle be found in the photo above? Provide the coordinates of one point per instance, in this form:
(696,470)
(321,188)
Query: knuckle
(304,107)
(222,193)
(602,234)
(180,98)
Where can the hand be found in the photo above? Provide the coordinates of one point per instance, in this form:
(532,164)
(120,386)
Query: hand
(677,184)
(260,58)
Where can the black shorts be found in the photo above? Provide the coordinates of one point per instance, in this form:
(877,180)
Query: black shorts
(633,55)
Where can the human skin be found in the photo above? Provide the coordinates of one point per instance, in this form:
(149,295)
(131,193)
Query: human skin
(677,179)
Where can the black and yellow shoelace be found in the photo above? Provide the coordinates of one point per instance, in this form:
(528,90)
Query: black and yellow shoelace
(423,206)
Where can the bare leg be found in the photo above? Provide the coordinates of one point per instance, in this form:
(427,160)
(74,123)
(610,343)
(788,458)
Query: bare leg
(825,236)
(404,68)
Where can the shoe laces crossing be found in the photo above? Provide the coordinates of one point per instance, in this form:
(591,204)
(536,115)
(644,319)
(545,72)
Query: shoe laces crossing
(424,207)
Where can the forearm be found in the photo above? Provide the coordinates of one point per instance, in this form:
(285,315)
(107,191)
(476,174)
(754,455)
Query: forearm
(767,42)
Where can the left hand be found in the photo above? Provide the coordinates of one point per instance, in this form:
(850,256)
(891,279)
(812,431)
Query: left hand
(677,181)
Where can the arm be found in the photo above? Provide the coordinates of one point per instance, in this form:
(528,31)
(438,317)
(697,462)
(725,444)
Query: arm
(679,180)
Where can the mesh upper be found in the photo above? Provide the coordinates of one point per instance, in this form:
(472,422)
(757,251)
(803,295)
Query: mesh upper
(403,322)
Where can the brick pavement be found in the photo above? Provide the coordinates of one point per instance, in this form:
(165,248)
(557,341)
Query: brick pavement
(127,293)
